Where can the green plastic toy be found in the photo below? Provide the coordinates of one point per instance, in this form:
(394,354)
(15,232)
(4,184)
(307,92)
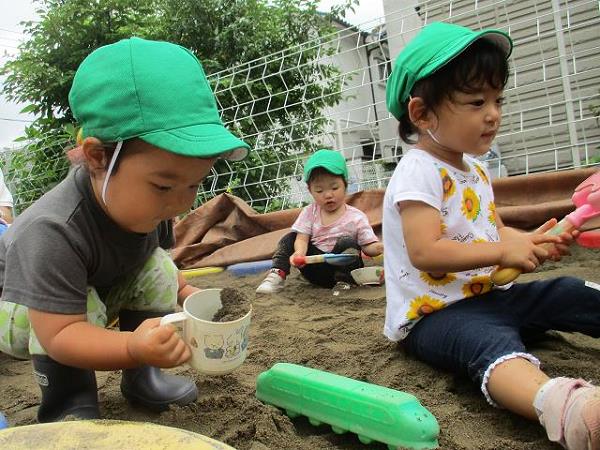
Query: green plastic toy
(374,413)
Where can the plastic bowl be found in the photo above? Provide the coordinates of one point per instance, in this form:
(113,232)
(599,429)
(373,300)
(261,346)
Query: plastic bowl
(368,275)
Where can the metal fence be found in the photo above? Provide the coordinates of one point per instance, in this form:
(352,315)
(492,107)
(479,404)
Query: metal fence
(550,121)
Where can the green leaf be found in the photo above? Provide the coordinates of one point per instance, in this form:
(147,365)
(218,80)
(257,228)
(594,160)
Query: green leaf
(29,109)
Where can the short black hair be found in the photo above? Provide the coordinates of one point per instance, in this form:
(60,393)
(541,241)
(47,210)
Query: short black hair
(482,63)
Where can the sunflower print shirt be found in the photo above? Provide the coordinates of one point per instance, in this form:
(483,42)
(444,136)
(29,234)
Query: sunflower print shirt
(465,201)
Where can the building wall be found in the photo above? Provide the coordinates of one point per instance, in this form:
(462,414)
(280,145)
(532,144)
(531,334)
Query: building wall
(548,123)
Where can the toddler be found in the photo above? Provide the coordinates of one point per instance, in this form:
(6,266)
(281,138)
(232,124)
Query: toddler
(444,237)
(94,248)
(328,225)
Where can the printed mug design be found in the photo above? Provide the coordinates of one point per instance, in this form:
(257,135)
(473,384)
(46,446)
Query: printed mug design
(219,347)
(213,346)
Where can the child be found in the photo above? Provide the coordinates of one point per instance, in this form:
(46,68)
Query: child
(444,237)
(95,247)
(6,204)
(328,225)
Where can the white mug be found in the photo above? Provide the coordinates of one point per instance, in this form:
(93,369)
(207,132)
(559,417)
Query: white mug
(217,347)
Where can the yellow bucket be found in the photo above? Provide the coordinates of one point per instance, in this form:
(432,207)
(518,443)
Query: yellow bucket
(104,434)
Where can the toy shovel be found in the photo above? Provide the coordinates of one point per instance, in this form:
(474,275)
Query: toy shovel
(587,200)
(339,259)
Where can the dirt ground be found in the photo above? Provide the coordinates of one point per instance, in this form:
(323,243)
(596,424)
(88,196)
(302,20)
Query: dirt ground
(342,334)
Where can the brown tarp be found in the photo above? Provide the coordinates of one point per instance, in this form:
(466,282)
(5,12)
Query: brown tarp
(225,230)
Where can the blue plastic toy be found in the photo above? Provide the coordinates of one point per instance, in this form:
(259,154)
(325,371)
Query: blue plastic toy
(3,422)
(374,413)
(250,268)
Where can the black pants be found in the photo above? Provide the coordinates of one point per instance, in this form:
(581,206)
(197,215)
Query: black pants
(324,275)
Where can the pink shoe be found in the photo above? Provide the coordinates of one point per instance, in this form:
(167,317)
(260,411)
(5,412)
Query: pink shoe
(571,414)
(591,418)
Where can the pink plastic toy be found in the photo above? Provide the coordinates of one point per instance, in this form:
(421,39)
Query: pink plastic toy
(587,200)
(589,239)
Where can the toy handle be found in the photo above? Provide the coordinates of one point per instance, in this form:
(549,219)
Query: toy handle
(303,260)
(502,276)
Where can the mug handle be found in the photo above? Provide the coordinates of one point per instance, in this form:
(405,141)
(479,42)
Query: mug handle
(173,318)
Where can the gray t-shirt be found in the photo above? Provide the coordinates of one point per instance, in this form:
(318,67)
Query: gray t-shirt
(64,243)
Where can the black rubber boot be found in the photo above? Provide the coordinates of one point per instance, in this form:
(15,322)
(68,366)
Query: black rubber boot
(147,385)
(67,392)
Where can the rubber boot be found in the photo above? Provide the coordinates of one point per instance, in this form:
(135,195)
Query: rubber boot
(67,392)
(147,385)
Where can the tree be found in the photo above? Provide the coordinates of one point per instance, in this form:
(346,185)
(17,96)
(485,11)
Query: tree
(223,34)
(41,76)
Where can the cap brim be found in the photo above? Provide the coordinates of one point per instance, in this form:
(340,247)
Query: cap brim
(333,171)
(499,38)
(200,141)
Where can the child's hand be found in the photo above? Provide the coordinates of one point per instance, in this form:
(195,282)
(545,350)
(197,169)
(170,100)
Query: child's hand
(528,251)
(292,260)
(373,249)
(156,345)
(558,250)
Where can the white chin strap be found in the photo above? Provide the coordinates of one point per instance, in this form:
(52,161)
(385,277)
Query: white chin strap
(432,136)
(115,155)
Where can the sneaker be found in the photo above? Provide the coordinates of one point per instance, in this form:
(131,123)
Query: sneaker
(273,282)
(570,414)
(341,286)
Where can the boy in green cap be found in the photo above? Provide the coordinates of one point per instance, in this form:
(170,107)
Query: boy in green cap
(94,248)
(328,225)
(443,238)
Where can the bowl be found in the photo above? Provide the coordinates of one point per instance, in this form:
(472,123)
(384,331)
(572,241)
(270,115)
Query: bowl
(368,275)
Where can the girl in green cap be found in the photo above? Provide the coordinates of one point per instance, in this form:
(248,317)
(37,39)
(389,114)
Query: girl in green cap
(443,238)
(328,225)
(94,248)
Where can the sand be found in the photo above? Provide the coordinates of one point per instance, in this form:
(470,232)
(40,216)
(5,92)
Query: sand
(235,304)
(342,334)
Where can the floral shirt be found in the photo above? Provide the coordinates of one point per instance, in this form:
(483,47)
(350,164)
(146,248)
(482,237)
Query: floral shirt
(465,201)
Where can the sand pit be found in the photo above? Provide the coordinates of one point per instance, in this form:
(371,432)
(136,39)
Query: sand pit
(343,334)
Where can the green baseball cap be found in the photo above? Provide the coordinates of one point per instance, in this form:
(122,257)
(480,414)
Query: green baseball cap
(431,49)
(152,90)
(329,160)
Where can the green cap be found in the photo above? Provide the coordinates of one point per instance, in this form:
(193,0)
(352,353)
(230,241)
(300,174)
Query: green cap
(155,91)
(431,49)
(329,160)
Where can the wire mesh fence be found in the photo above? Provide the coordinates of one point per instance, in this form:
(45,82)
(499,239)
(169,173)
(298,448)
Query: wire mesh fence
(330,93)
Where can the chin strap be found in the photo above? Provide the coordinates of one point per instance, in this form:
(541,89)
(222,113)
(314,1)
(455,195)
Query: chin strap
(432,136)
(111,165)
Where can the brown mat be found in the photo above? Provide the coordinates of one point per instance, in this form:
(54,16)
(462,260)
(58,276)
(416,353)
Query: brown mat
(225,230)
